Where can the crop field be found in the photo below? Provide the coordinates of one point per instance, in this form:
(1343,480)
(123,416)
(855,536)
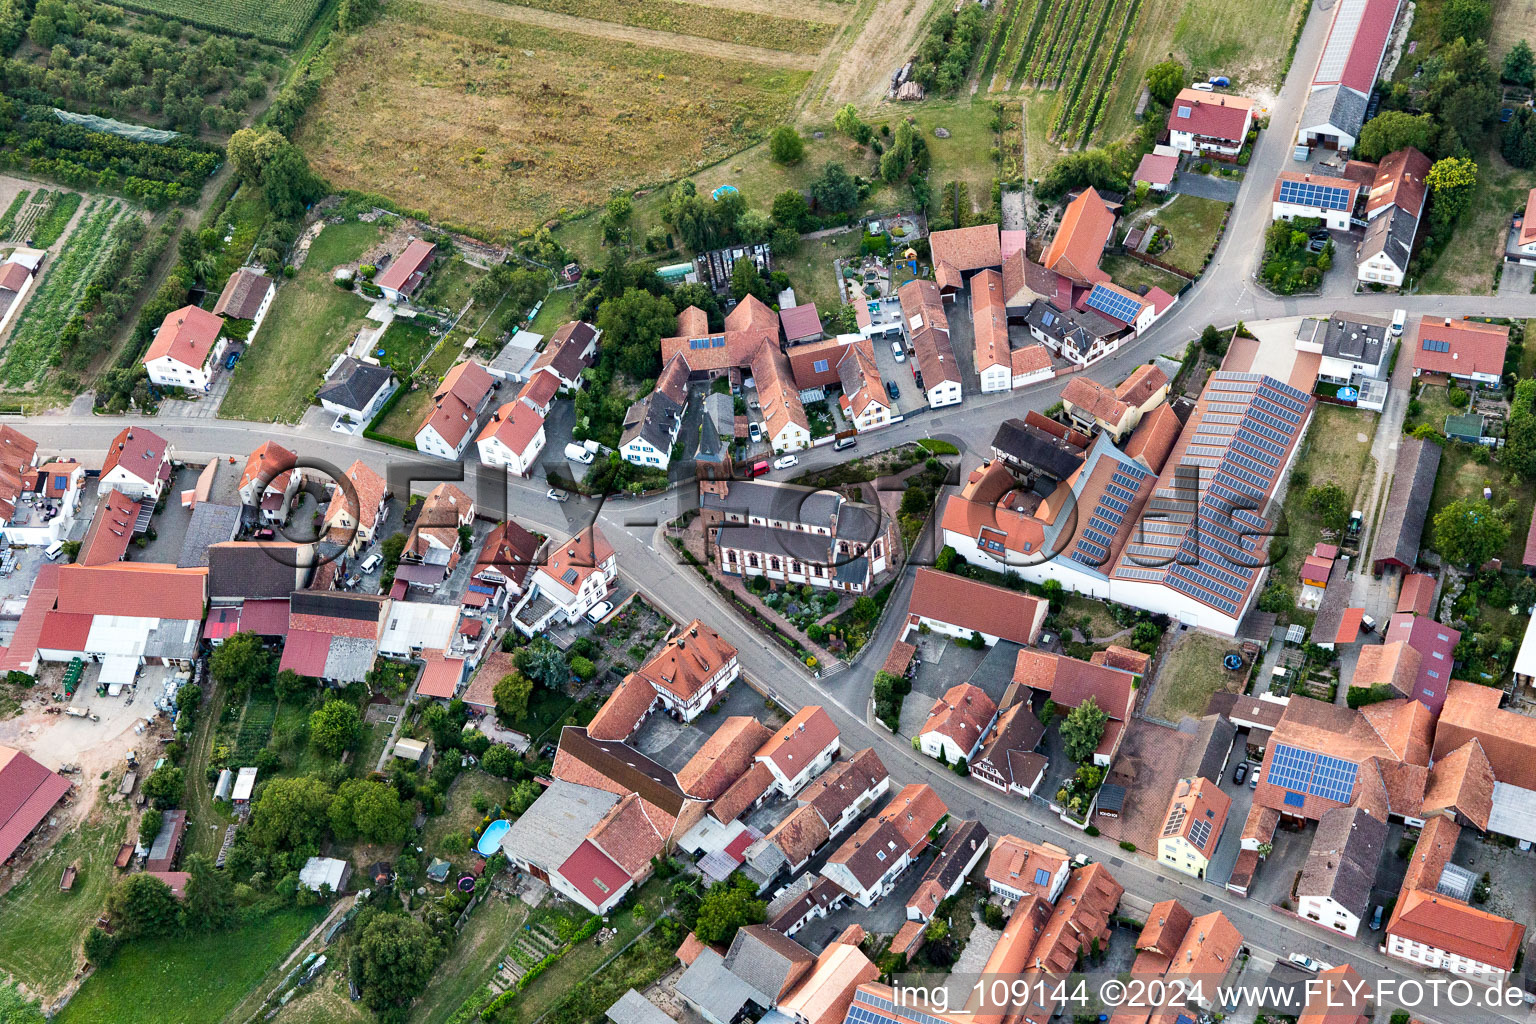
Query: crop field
(34,339)
(274,21)
(1091,56)
(726,24)
(523,120)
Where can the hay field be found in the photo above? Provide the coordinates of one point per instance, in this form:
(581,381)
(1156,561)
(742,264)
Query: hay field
(500,116)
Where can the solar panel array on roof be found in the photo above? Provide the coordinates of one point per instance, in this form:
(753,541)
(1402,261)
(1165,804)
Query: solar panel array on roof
(1204,536)
(1112,303)
(1432,345)
(1307,193)
(1304,771)
(1200,833)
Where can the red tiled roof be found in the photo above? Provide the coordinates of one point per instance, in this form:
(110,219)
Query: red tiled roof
(1349,626)
(1399,182)
(593,874)
(981,607)
(514,425)
(440,677)
(265,618)
(897,662)
(989,321)
(159,591)
(1472,347)
(1528,221)
(493,667)
(628,836)
(243,295)
(187,335)
(1195,800)
(914,811)
(305,652)
(800,739)
(1507,737)
(456,400)
(1418,590)
(1155,169)
(959,250)
(803,360)
(688,661)
(724,757)
(28,792)
(1366,46)
(1079,243)
(138,451)
(111,530)
(540,389)
(404,274)
(65,631)
(13,276)
(742,793)
(1212,115)
(800,321)
(1440,922)
(368,490)
(963,714)
(1154,437)
(621,713)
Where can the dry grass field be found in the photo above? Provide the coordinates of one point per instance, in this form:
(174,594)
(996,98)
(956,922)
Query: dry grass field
(502,116)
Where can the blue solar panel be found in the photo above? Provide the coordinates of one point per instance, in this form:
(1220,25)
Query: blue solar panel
(1295,799)
(1042,876)
(1331,778)
(1431,345)
(1307,193)
(1121,307)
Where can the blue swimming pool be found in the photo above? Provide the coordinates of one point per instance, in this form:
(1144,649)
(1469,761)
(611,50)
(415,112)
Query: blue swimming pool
(490,839)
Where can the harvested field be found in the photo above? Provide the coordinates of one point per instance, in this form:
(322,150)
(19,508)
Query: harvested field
(498,102)
(860,73)
(748,28)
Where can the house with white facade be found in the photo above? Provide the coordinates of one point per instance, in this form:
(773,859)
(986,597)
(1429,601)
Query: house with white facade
(575,576)
(651,424)
(355,391)
(1303,194)
(957,724)
(185,349)
(864,399)
(513,437)
(690,671)
(1336,880)
(356,508)
(247,295)
(406,272)
(1019,868)
(1210,123)
(456,406)
(802,749)
(138,464)
(927,324)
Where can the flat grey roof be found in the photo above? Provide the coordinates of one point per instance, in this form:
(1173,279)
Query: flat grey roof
(558,822)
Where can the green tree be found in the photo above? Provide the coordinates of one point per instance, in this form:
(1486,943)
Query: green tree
(583,667)
(784,242)
(1451,181)
(786,146)
(834,190)
(1392,130)
(499,761)
(633,324)
(847,121)
(1212,339)
(290,686)
(396,956)
(334,727)
(1465,19)
(210,896)
(1330,504)
(791,210)
(241,663)
(352,15)
(165,786)
(292,814)
(1470,531)
(1082,729)
(726,907)
(619,208)
(371,811)
(1520,64)
(512,692)
(149,825)
(746,280)
(1164,80)
(142,906)
(1519,452)
(544,662)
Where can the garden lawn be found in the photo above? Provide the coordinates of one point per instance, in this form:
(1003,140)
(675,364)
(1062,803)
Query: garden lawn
(1190,673)
(1332,453)
(242,221)
(406,342)
(810,269)
(41,927)
(1102,624)
(310,321)
(1195,224)
(555,311)
(1132,274)
(1466,265)
(1462,476)
(473,961)
(461,815)
(637,967)
(405,416)
(572,971)
(176,979)
(1434,407)
(450,285)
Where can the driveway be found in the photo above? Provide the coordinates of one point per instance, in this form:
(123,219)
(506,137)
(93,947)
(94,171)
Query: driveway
(1231,842)
(1206,186)
(1516,279)
(900,374)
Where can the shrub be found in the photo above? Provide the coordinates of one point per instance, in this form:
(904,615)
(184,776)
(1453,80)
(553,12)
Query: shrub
(583,667)
(1127,846)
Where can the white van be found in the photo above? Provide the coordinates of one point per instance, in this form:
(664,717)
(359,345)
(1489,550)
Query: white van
(577,453)
(1399,320)
(54,550)
(371,562)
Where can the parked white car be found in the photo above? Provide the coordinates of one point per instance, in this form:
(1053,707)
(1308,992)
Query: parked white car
(599,610)
(898,351)
(785,462)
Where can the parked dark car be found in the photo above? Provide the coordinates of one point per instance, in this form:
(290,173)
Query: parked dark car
(234,357)
(892,390)
(1241,773)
